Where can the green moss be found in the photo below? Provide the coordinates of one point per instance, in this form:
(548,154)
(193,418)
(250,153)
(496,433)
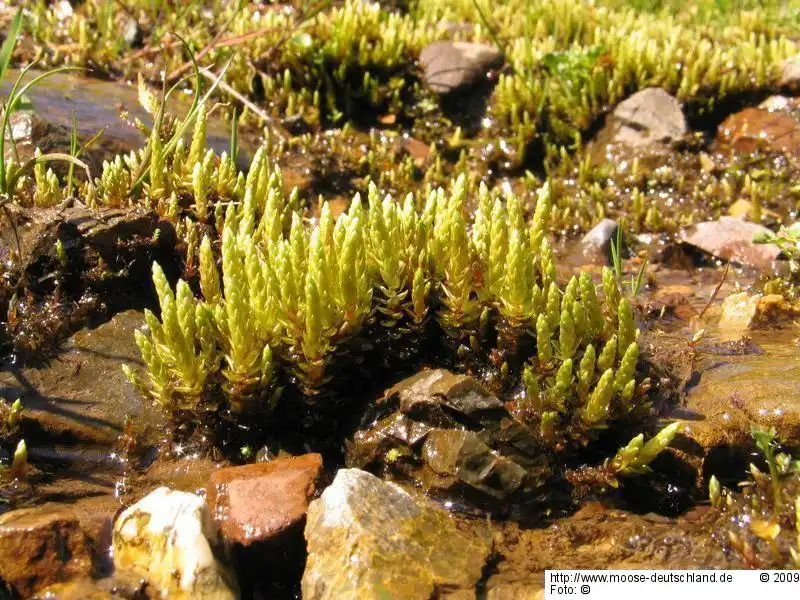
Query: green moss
(565,64)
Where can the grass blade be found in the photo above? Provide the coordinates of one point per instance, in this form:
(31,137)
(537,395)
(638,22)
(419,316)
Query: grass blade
(8,45)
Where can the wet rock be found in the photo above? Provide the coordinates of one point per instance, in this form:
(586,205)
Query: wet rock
(171,538)
(450,435)
(257,502)
(790,74)
(121,584)
(82,396)
(651,117)
(449,65)
(774,126)
(669,305)
(85,589)
(742,311)
(370,539)
(595,245)
(757,385)
(188,474)
(54,543)
(731,239)
(97,105)
(106,229)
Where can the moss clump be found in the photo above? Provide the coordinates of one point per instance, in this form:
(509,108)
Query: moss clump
(299,303)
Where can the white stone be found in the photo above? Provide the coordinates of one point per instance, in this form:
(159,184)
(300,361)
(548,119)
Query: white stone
(171,536)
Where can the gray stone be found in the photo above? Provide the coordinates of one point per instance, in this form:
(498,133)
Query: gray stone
(596,243)
(371,539)
(651,117)
(731,238)
(451,65)
(790,74)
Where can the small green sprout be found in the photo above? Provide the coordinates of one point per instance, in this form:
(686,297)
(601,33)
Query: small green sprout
(766,443)
(61,253)
(19,464)
(634,458)
(714,491)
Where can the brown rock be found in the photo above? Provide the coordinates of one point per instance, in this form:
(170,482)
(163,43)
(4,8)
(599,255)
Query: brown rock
(674,304)
(84,589)
(600,538)
(773,126)
(417,149)
(254,503)
(54,543)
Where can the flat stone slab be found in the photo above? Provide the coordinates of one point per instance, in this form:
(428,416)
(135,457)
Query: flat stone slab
(82,395)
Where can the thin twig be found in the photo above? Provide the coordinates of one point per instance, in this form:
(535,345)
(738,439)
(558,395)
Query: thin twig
(279,129)
(716,290)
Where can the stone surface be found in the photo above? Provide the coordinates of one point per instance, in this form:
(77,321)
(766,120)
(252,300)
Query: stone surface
(422,433)
(97,105)
(650,117)
(188,474)
(257,502)
(730,238)
(757,385)
(171,538)
(83,396)
(85,589)
(595,245)
(449,65)
(773,126)
(369,539)
(54,543)
(790,74)
(743,311)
